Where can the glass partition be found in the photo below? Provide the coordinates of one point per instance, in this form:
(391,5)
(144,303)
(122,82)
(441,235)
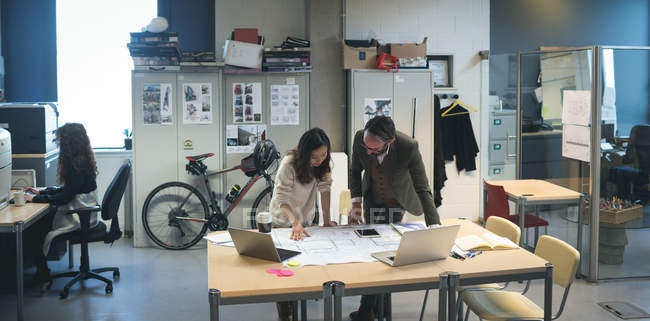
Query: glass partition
(545,78)
(624,207)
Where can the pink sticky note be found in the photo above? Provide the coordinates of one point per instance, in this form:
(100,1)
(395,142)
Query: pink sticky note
(274,271)
(285,273)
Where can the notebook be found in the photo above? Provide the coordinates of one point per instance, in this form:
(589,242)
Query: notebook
(407,227)
(487,241)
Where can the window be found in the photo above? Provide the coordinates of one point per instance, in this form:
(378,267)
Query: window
(94,66)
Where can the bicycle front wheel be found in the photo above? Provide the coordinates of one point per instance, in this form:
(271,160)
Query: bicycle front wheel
(174,215)
(261,204)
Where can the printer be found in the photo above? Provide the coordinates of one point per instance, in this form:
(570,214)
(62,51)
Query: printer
(5,167)
(32,127)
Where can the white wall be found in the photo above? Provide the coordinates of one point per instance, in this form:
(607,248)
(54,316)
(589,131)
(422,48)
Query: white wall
(108,162)
(458,27)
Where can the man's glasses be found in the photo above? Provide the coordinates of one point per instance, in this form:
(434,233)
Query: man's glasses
(376,151)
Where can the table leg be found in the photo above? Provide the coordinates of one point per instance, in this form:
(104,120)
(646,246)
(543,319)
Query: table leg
(548,293)
(581,209)
(442,296)
(303,310)
(18,229)
(327,301)
(294,310)
(380,307)
(213,297)
(521,211)
(451,295)
(389,307)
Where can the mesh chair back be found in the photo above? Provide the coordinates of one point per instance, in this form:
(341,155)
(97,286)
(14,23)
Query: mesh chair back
(638,149)
(564,257)
(503,227)
(112,200)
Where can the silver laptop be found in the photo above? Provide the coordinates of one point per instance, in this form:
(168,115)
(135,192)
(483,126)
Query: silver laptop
(258,245)
(421,246)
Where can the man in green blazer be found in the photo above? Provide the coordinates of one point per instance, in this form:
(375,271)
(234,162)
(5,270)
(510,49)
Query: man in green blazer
(394,181)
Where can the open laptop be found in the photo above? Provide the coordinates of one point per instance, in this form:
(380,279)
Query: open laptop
(258,245)
(421,246)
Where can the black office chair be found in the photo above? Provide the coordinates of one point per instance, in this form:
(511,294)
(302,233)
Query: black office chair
(109,207)
(638,174)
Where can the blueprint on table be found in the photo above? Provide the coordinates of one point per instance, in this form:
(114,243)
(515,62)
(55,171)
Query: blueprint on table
(334,245)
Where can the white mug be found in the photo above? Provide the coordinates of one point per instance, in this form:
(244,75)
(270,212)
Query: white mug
(19,198)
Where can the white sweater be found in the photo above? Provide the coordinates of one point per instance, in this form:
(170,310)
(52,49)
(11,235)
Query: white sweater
(301,198)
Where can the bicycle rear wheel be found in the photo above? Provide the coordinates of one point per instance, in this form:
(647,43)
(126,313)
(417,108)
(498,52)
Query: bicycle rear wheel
(261,204)
(174,215)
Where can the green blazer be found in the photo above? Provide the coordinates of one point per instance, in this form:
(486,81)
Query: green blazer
(406,176)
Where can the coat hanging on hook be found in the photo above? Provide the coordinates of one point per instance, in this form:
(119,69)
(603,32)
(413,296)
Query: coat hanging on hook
(457,109)
(458,136)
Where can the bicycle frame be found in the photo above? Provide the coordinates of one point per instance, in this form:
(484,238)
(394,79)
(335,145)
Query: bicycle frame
(216,210)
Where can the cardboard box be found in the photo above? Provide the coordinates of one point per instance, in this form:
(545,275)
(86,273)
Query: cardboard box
(243,54)
(409,50)
(621,216)
(359,57)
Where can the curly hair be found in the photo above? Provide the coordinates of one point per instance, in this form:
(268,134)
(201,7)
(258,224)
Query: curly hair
(75,153)
(310,141)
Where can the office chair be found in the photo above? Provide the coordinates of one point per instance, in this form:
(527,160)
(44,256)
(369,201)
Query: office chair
(109,207)
(638,155)
(497,205)
(505,305)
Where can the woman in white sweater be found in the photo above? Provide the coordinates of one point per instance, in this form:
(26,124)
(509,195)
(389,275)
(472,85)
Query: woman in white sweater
(302,173)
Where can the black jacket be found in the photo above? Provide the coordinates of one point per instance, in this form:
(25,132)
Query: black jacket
(459,140)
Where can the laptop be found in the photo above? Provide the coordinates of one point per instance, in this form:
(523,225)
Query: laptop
(258,245)
(421,246)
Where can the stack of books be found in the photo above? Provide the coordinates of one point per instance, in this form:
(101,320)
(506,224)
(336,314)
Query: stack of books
(198,58)
(291,56)
(156,51)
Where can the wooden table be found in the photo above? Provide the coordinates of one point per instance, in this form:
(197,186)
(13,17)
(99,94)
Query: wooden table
(15,219)
(539,192)
(234,279)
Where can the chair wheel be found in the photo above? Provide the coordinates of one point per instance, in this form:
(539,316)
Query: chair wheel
(63,294)
(109,288)
(116,275)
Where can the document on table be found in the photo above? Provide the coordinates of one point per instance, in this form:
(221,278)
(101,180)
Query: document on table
(336,245)
(222,239)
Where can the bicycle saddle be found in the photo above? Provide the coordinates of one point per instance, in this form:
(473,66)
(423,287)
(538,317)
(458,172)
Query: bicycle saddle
(199,157)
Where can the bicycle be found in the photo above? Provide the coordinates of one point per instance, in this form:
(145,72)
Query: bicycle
(176,215)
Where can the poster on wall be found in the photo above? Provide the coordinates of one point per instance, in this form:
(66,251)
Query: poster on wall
(247,102)
(157,104)
(243,138)
(576,129)
(197,103)
(376,107)
(285,104)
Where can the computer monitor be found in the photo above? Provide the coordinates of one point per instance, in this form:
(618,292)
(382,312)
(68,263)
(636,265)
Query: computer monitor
(607,132)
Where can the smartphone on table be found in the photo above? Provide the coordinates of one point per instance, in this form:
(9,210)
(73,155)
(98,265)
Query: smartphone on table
(369,232)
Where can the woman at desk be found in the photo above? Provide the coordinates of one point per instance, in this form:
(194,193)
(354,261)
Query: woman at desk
(77,171)
(303,172)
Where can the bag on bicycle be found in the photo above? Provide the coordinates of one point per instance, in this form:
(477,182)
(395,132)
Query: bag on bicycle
(248,165)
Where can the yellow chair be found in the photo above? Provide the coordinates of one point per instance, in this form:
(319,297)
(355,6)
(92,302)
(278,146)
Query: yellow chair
(504,305)
(345,204)
(499,226)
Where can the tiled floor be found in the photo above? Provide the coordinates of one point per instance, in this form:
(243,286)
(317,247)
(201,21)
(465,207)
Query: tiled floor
(165,285)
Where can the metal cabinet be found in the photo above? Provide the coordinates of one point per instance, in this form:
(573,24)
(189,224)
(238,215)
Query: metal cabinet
(159,150)
(411,95)
(502,145)
(284,136)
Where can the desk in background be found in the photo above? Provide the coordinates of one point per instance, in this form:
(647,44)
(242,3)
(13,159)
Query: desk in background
(538,192)
(15,219)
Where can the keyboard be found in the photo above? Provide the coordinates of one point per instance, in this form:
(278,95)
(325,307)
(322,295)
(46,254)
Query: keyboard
(285,254)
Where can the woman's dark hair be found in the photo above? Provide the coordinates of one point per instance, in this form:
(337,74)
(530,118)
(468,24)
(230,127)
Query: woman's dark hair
(75,154)
(381,127)
(310,141)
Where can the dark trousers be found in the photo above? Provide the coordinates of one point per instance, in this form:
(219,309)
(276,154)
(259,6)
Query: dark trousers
(377,214)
